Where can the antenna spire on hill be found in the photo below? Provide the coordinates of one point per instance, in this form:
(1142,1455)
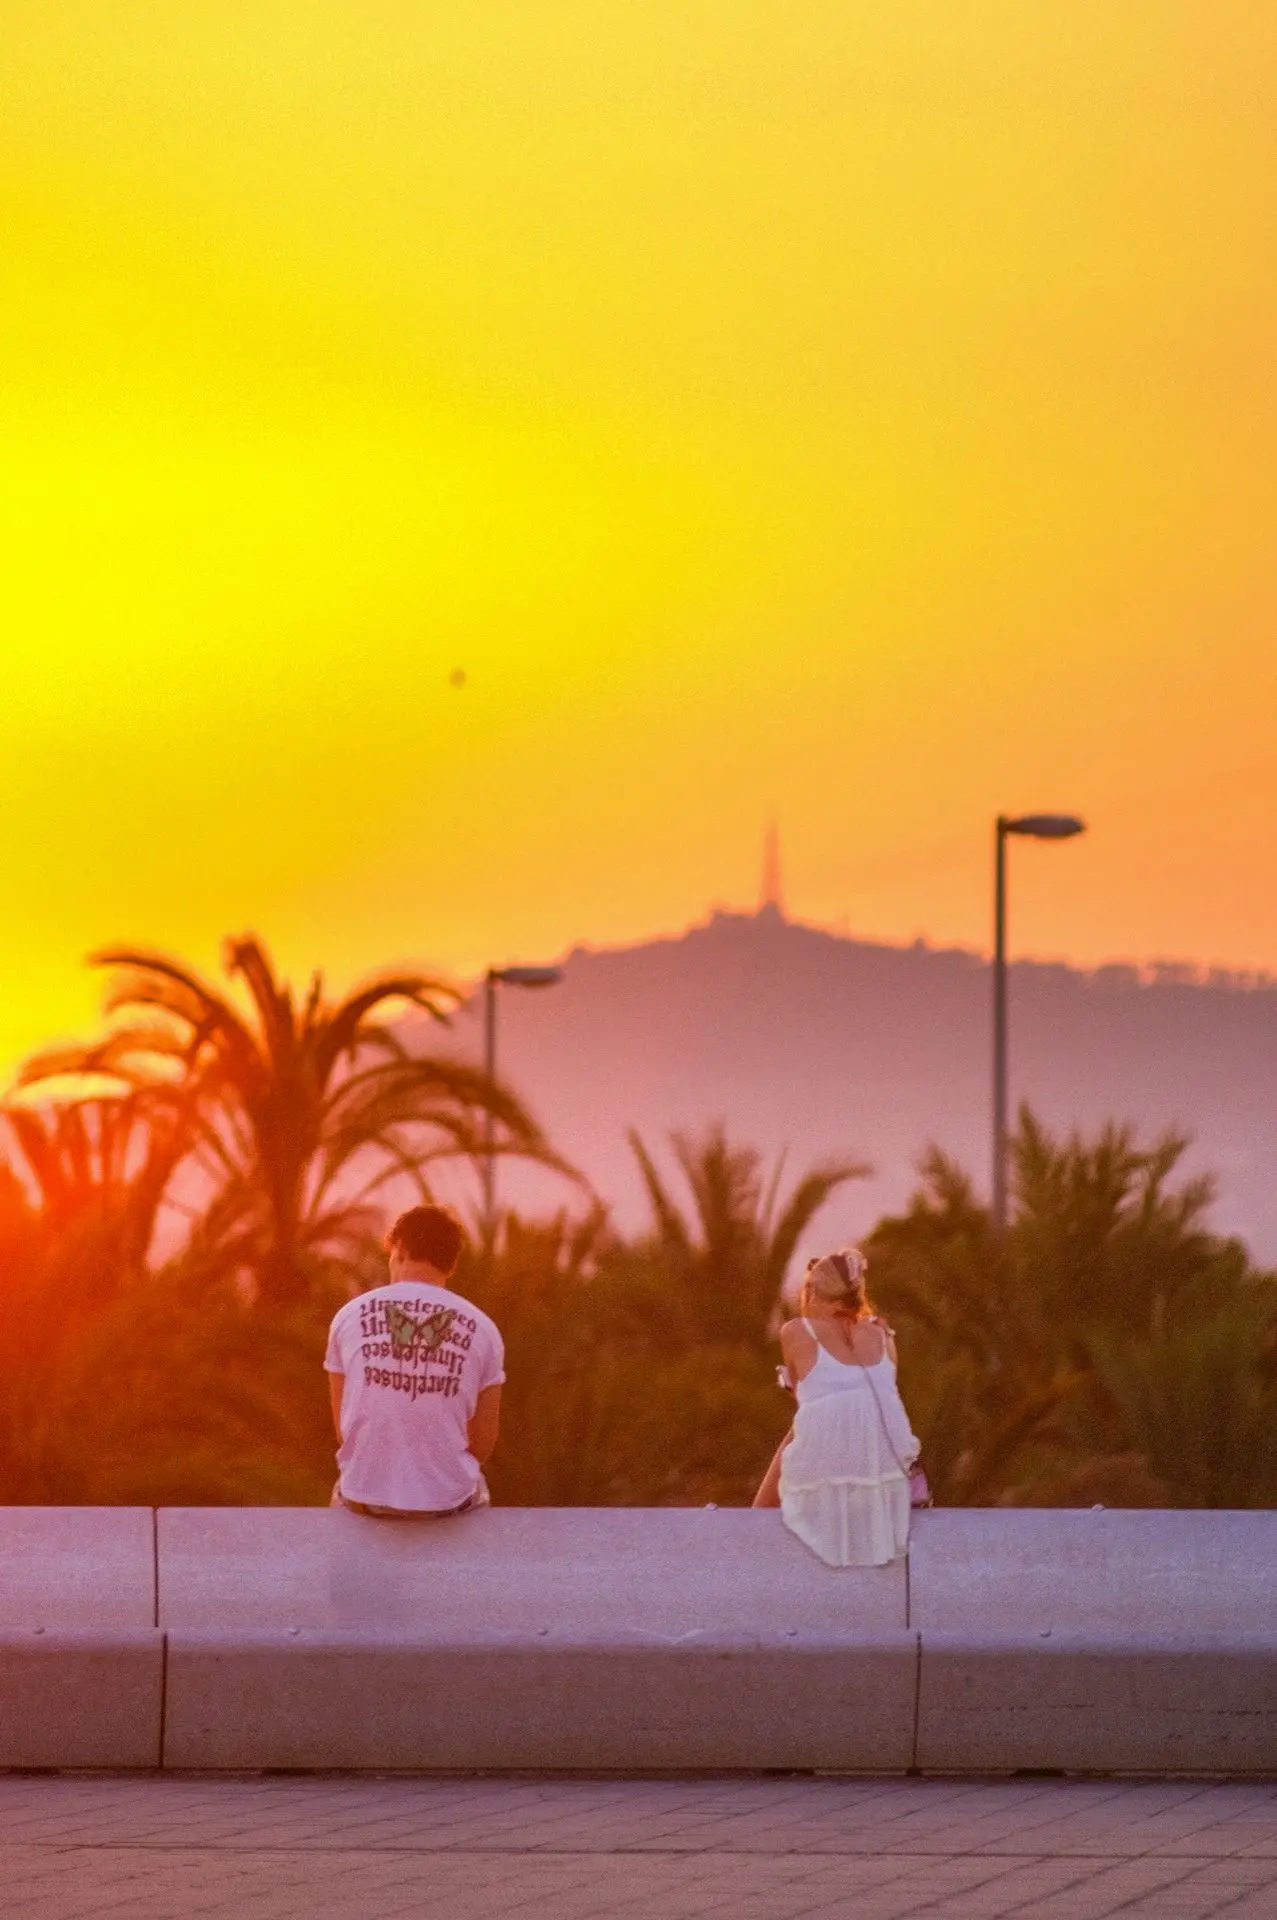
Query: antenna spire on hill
(772,901)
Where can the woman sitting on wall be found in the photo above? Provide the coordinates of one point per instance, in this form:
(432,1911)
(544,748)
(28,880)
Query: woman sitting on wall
(841,1476)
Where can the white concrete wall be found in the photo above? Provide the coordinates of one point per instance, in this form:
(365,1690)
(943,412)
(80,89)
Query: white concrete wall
(344,1700)
(1143,1703)
(635,1638)
(632,1575)
(1030,1570)
(81,1657)
(523,1637)
(1129,1641)
(86,1569)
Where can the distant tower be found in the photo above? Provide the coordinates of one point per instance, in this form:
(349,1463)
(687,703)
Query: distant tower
(772,903)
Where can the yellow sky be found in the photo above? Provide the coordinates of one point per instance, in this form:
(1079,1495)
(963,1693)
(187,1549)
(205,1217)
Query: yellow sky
(863,413)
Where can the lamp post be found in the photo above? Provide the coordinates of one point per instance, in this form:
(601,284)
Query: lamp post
(1033,826)
(509,977)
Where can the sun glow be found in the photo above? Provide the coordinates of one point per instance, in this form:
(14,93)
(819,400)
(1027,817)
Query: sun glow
(863,413)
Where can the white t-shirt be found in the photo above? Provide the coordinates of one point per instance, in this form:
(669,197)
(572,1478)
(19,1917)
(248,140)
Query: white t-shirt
(415,1360)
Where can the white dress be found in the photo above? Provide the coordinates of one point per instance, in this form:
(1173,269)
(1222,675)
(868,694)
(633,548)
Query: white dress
(844,1483)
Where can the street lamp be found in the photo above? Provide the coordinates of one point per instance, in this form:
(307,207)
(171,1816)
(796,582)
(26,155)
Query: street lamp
(1034,826)
(509,977)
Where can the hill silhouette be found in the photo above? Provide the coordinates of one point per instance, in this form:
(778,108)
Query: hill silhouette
(823,1045)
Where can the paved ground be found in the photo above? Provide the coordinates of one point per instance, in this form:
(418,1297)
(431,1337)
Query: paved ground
(753,1849)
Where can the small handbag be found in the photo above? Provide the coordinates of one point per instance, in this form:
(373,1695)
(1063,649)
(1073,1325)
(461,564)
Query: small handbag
(919,1489)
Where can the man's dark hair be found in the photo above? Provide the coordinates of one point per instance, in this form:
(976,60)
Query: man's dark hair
(428,1233)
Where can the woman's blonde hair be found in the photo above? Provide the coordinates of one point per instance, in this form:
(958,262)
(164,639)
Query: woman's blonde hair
(838,1281)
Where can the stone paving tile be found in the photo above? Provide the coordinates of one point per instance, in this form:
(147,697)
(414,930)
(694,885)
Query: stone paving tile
(287,1848)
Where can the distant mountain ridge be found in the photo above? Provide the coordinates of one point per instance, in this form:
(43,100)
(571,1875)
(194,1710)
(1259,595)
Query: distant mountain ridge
(828,1046)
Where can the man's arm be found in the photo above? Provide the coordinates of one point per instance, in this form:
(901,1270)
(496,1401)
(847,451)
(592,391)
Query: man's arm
(485,1423)
(336,1381)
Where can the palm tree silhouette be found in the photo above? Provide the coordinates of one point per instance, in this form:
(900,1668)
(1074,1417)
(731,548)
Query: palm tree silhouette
(297,1113)
(729,1257)
(84,1181)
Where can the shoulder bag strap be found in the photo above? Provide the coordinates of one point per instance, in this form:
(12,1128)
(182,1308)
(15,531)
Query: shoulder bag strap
(882,1419)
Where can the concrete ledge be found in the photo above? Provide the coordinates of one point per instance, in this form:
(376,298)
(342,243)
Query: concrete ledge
(626,1638)
(594,1574)
(348,1700)
(81,1700)
(77,1569)
(1135,1574)
(1200,1703)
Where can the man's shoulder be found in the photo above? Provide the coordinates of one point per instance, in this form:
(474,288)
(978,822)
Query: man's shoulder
(357,1303)
(461,1305)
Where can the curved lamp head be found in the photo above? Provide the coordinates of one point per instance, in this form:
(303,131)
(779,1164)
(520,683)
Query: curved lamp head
(526,976)
(1043,826)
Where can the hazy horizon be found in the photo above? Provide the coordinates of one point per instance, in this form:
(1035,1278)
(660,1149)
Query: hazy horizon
(806,1041)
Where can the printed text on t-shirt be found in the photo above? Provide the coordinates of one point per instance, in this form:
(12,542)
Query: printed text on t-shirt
(427,1345)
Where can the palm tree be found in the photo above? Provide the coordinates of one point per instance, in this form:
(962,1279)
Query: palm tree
(1065,1359)
(630,1384)
(1103,1235)
(166,1394)
(81,1187)
(981,1366)
(1196,1403)
(298,1114)
(729,1258)
(84,1181)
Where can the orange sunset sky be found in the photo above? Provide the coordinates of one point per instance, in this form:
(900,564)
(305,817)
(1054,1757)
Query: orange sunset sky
(864,414)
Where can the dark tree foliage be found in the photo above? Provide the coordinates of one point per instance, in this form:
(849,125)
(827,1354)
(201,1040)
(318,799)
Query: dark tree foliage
(272,1126)
(1110,1349)
(127,1385)
(641,1371)
(292,1115)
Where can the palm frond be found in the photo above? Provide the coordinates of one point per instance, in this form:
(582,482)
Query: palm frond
(801,1208)
(670,1225)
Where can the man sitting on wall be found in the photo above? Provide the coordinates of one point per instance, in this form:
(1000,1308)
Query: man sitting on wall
(415,1375)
